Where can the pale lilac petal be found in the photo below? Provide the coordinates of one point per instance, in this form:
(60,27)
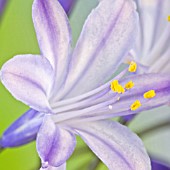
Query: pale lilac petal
(115,145)
(23,130)
(107,36)
(53,34)
(29,79)
(54,144)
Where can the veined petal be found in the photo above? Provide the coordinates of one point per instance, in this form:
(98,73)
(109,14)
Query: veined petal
(115,145)
(53,34)
(108,34)
(29,79)
(54,144)
(23,130)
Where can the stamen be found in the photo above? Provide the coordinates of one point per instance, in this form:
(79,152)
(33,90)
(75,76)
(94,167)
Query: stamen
(91,94)
(116,87)
(135,105)
(132,67)
(168,18)
(129,85)
(149,94)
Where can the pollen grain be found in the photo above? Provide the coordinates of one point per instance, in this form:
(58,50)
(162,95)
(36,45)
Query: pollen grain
(135,105)
(129,85)
(116,87)
(132,66)
(149,94)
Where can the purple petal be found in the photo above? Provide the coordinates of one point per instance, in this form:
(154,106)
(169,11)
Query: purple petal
(29,78)
(62,167)
(23,130)
(96,105)
(53,34)
(54,144)
(157,165)
(128,118)
(115,145)
(67,5)
(143,83)
(2,6)
(108,34)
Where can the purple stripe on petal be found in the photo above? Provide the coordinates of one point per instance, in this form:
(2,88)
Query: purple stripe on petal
(54,144)
(115,145)
(23,130)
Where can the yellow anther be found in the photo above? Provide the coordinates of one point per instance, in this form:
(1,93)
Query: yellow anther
(135,105)
(129,85)
(132,67)
(120,89)
(168,18)
(149,94)
(116,87)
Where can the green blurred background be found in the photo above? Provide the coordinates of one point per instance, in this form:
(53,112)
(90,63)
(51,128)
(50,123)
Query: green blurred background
(17,36)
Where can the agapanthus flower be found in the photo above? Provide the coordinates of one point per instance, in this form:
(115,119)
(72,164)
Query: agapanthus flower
(70,90)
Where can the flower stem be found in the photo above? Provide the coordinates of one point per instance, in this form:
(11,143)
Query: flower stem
(94,164)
